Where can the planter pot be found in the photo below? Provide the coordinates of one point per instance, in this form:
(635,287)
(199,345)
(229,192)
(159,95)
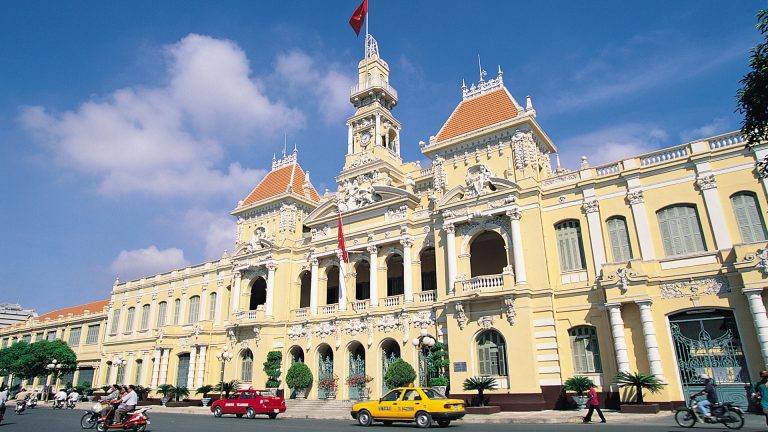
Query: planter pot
(205,401)
(330,394)
(164,400)
(301,393)
(581,401)
(365,393)
(440,389)
(639,409)
(483,410)
(91,398)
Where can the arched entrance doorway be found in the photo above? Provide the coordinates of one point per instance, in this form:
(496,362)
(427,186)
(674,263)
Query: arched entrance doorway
(488,255)
(258,293)
(356,368)
(390,351)
(183,370)
(707,341)
(305,290)
(324,368)
(296,354)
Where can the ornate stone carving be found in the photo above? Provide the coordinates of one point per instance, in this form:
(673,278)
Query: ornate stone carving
(485,322)
(696,287)
(296,331)
(355,326)
(395,214)
(244,345)
(260,233)
(561,179)
(762,263)
(635,197)
(503,202)
(499,221)
(387,323)
(461,317)
(288,216)
(514,214)
(509,309)
(478,181)
(369,322)
(706,181)
(352,196)
(320,233)
(405,318)
(407,242)
(185,342)
(438,174)
(362,160)
(449,228)
(423,319)
(590,206)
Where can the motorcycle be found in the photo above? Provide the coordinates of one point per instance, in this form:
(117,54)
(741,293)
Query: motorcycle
(136,420)
(727,414)
(32,402)
(91,416)
(71,403)
(21,406)
(58,404)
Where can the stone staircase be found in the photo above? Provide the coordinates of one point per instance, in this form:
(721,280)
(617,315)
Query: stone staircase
(318,409)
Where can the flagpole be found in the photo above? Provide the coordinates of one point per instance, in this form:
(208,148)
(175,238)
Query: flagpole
(366,51)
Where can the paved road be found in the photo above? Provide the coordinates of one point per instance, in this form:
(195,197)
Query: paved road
(69,421)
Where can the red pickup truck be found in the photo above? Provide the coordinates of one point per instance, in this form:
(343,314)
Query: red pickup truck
(249,403)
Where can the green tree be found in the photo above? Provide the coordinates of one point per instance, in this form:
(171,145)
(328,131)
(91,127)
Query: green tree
(399,374)
(10,355)
(34,361)
(272,368)
(640,382)
(438,363)
(481,384)
(753,96)
(299,376)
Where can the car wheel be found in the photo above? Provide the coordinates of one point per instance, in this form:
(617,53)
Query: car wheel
(250,413)
(217,412)
(272,416)
(443,423)
(364,418)
(423,420)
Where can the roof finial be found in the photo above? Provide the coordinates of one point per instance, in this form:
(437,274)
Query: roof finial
(500,72)
(482,72)
(285,143)
(463,84)
(295,149)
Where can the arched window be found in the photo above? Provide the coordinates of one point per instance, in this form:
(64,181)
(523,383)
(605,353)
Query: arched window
(161,311)
(212,306)
(395,281)
(194,309)
(305,291)
(137,376)
(120,374)
(428,270)
(680,230)
(113,327)
(586,351)
(362,281)
(176,310)
(129,319)
(492,354)
(487,254)
(619,237)
(246,370)
(108,373)
(144,317)
(332,286)
(570,246)
(748,217)
(258,293)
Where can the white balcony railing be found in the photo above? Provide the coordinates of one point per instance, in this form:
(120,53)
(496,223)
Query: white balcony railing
(301,313)
(359,305)
(329,309)
(726,140)
(393,301)
(483,282)
(373,84)
(427,296)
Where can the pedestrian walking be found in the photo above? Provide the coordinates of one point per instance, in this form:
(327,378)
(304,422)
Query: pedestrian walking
(761,394)
(594,405)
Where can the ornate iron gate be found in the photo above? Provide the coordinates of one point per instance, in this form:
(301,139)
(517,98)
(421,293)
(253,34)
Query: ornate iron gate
(722,358)
(386,360)
(356,367)
(325,372)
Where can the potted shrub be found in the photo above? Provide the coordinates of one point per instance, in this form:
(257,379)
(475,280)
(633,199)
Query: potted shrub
(272,369)
(329,385)
(437,365)
(480,384)
(299,377)
(141,391)
(227,387)
(204,390)
(399,374)
(639,382)
(439,383)
(180,393)
(578,384)
(360,381)
(165,391)
(106,389)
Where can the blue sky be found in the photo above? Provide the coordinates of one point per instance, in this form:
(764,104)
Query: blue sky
(129,130)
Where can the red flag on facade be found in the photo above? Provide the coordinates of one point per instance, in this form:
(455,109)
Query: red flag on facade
(358,17)
(342,247)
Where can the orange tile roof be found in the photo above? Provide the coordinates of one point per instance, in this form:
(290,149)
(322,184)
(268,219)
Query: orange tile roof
(478,112)
(75,310)
(276,183)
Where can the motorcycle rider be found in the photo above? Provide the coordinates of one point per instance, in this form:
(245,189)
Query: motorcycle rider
(60,398)
(114,394)
(3,400)
(129,402)
(21,401)
(709,390)
(72,398)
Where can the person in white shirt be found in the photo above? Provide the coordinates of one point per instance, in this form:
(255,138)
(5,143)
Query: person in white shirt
(3,400)
(128,404)
(74,396)
(60,397)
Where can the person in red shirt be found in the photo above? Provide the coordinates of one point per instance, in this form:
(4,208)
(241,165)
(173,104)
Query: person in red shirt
(594,405)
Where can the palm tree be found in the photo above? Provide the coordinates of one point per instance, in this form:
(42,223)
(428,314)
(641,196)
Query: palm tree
(640,382)
(180,393)
(227,387)
(481,384)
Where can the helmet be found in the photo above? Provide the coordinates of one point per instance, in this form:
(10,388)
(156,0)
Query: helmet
(704,376)
(763,374)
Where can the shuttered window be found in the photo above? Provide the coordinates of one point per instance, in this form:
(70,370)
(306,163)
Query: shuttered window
(617,233)
(145,317)
(176,310)
(491,352)
(212,306)
(680,230)
(137,377)
(586,351)
(570,246)
(74,337)
(194,309)
(129,320)
(92,338)
(120,374)
(748,217)
(161,310)
(108,373)
(115,322)
(247,367)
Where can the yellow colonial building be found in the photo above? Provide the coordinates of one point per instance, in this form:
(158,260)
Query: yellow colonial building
(529,273)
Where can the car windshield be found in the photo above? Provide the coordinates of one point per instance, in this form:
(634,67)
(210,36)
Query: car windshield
(234,396)
(433,394)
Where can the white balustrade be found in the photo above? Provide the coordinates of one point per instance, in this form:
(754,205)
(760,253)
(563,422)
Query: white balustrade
(483,282)
(357,88)
(607,169)
(329,309)
(301,313)
(427,296)
(393,301)
(664,155)
(359,305)
(426,171)
(726,140)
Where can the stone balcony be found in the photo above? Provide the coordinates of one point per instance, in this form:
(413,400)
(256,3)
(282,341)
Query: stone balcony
(496,283)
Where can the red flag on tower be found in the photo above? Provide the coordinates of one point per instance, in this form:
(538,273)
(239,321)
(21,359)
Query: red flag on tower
(342,246)
(356,21)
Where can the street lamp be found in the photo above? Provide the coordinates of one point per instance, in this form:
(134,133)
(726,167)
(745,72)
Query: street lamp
(424,343)
(54,367)
(223,356)
(120,364)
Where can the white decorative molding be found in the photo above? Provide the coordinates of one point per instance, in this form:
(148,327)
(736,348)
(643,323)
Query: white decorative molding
(561,179)
(423,319)
(509,309)
(461,317)
(706,181)
(485,322)
(395,214)
(762,263)
(695,287)
(387,323)
(297,331)
(478,181)
(635,197)
(355,326)
(590,206)
(352,196)
(288,216)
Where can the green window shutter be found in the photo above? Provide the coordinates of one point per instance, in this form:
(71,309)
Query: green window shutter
(680,230)
(748,218)
(619,238)
(570,246)
(212,306)
(161,309)
(484,360)
(115,321)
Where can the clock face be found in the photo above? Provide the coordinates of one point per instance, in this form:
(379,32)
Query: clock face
(365,138)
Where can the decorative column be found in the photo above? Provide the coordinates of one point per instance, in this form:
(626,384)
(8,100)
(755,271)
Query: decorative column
(637,202)
(164,367)
(271,267)
(110,318)
(756,306)
(313,287)
(407,270)
(202,312)
(156,369)
(708,187)
(349,139)
(517,246)
(136,323)
(183,307)
(760,156)
(619,343)
(649,333)
(219,299)
(152,311)
(342,283)
(201,366)
(144,367)
(236,292)
(128,373)
(450,250)
(191,368)
(377,138)
(373,264)
(592,210)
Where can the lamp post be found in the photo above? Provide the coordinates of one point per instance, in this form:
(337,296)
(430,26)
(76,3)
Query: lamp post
(121,363)
(224,356)
(424,344)
(54,367)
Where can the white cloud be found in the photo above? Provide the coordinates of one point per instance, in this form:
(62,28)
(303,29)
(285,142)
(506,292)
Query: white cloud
(170,140)
(133,264)
(716,126)
(217,230)
(611,144)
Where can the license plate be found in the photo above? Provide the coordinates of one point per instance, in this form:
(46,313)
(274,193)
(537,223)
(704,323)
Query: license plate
(455,407)
(276,410)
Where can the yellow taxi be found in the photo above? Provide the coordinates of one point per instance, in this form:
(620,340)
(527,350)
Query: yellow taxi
(408,404)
